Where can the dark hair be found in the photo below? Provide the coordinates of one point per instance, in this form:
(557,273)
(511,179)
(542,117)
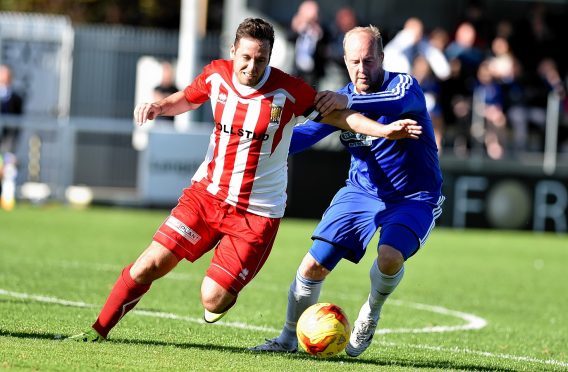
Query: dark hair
(255,28)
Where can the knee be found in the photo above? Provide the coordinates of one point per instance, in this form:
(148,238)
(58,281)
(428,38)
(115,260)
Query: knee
(211,302)
(390,260)
(311,269)
(215,298)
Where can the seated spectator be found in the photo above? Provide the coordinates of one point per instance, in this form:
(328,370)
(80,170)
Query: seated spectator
(493,133)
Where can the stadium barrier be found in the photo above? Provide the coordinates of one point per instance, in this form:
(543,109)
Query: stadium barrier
(98,153)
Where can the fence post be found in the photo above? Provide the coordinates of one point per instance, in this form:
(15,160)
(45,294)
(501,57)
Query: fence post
(551,133)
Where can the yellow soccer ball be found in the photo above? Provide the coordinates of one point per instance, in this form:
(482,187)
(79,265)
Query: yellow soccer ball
(323,330)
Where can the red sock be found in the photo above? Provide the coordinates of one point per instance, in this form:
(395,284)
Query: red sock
(124,296)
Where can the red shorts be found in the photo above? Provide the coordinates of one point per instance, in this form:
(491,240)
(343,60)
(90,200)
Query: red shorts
(200,222)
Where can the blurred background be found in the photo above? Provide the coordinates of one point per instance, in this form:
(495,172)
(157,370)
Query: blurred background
(494,74)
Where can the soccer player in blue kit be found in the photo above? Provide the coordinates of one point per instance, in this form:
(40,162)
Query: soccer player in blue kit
(394,185)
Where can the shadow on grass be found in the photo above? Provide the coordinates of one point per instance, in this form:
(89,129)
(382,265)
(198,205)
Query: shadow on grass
(447,364)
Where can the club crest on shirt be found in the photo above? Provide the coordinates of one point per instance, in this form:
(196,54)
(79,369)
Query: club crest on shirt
(275,113)
(222,98)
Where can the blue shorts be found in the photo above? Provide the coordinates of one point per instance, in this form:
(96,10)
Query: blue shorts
(354,216)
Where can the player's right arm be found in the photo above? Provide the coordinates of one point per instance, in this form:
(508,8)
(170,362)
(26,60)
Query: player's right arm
(403,96)
(355,122)
(172,105)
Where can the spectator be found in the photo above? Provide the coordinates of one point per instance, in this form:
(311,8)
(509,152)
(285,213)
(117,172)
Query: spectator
(455,101)
(345,20)
(310,43)
(423,73)
(167,85)
(536,38)
(494,133)
(10,103)
(476,15)
(407,44)
(463,48)
(529,102)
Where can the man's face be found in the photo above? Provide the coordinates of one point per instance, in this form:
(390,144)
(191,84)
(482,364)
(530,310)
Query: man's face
(363,61)
(5,76)
(250,58)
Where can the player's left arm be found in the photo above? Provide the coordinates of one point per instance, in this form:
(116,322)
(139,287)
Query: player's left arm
(307,134)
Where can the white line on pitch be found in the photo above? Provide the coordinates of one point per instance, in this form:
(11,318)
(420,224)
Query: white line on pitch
(240,325)
(472,322)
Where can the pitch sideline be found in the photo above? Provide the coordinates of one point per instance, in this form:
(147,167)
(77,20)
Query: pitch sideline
(474,322)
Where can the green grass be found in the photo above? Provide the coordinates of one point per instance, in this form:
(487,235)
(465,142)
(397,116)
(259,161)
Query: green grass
(516,281)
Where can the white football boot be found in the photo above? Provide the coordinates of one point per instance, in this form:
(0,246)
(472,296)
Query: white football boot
(361,336)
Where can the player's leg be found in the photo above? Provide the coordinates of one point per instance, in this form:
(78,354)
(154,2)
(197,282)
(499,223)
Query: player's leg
(240,255)
(133,282)
(184,234)
(216,300)
(406,227)
(304,292)
(349,223)
(385,275)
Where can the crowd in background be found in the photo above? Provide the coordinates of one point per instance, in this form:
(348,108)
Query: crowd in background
(509,67)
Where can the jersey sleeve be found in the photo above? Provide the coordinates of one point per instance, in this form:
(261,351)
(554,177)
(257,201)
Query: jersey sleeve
(307,134)
(198,91)
(305,96)
(402,96)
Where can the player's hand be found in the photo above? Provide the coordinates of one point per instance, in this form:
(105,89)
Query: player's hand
(400,129)
(146,111)
(326,102)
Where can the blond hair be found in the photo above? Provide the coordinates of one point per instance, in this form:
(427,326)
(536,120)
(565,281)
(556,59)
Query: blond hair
(371,30)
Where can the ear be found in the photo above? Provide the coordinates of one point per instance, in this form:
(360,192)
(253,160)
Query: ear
(232,51)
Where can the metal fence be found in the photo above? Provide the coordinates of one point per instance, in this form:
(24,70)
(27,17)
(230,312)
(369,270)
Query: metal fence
(76,151)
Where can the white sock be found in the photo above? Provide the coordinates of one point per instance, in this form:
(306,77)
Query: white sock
(302,294)
(382,286)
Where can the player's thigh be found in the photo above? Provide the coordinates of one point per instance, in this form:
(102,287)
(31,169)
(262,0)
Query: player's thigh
(188,231)
(350,221)
(406,226)
(243,250)
(321,259)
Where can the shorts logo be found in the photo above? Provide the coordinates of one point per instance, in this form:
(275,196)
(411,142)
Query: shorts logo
(183,230)
(275,113)
(243,274)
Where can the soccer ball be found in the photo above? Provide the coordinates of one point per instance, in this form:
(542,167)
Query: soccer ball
(323,330)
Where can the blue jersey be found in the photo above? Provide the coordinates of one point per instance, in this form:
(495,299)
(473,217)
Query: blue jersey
(392,170)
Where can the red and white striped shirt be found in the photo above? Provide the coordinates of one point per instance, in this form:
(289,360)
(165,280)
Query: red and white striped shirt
(246,162)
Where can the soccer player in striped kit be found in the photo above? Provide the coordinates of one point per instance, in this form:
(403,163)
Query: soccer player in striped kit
(237,196)
(392,185)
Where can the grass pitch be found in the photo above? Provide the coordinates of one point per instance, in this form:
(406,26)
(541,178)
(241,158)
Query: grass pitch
(470,300)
